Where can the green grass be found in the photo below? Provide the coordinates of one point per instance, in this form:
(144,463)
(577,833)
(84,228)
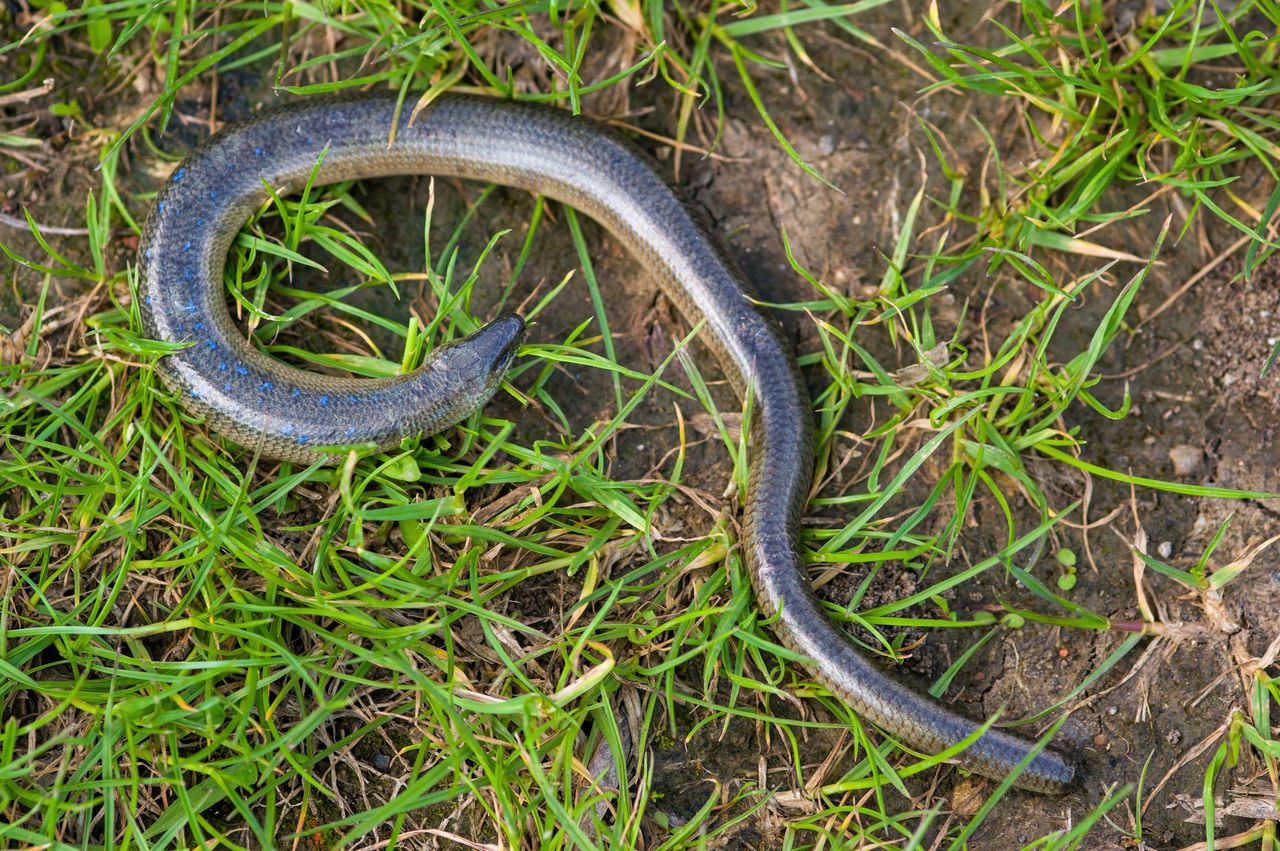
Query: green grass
(198,648)
(1140,116)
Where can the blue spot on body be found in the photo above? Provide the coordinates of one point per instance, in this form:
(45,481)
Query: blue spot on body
(213,194)
(265,386)
(302,438)
(213,344)
(227,387)
(188,275)
(195,395)
(160,206)
(258,151)
(186,246)
(200,326)
(308,140)
(295,392)
(324,400)
(199,220)
(350,430)
(147,299)
(222,365)
(147,254)
(177,175)
(243,370)
(191,307)
(352,398)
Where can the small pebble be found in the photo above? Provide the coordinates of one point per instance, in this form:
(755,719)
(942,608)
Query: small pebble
(1197,344)
(1165,549)
(827,145)
(1186,459)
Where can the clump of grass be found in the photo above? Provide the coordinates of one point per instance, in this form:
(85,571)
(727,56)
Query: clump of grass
(1175,100)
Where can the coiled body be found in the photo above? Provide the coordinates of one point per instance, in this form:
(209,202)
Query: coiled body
(287,413)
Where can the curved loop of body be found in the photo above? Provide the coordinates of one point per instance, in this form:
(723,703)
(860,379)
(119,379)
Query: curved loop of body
(293,414)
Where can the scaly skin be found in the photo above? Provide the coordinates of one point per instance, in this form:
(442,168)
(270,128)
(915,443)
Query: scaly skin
(286,412)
